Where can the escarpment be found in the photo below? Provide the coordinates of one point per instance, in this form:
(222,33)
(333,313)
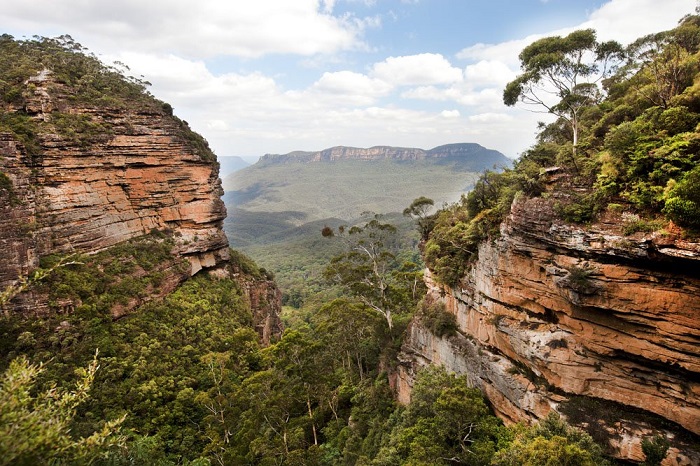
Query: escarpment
(136,173)
(601,327)
(92,176)
(472,155)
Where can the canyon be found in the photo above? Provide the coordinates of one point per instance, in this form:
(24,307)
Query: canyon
(598,325)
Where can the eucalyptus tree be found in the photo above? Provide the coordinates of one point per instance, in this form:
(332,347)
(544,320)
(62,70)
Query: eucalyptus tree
(420,211)
(563,75)
(664,63)
(370,271)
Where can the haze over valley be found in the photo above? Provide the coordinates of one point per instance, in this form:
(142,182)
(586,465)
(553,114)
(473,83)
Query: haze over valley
(341,183)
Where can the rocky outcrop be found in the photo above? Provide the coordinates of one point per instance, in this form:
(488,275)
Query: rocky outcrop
(124,173)
(602,327)
(472,156)
(266,304)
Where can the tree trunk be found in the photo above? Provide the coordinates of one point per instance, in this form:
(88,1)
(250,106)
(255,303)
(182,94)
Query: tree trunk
(311,416)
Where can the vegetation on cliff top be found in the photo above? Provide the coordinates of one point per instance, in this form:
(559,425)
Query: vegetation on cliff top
(76,78)
(626,143)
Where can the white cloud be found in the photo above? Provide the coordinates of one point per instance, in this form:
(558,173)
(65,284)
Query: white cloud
(504,52)
(217,125)
(461,93)
(367,3)
(490,117)
(205,29)
(627,20)
(350,83)
(450,113)
(192,89)
(421,69)
(328,6)
(170,72)
(489,97)
(488,72)
(426,93)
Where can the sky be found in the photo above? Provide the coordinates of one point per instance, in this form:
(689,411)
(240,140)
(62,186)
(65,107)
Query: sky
(275,76)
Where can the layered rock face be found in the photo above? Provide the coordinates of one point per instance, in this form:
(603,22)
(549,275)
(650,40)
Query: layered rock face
(601,327)
(138,172)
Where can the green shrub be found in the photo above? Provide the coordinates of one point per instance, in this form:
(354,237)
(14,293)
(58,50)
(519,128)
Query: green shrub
(35,424)
(683,201)
(551,442)
(79,129)
(437,319)
(633,223)
(125,272)
(447,422)
(655,450)
(247,265)
(679,119)
(460,228)
(579,209)
(579,279)
(6,189)
(23,128)
(195,141)
(685,212)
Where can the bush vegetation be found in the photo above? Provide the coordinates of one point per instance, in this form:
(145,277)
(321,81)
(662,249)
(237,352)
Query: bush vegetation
(35,428)
(637,146)
(189,383)
(437,319)
(75,77)
(550,443)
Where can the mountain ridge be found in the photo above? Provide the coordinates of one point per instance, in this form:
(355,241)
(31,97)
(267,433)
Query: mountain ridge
(466,152)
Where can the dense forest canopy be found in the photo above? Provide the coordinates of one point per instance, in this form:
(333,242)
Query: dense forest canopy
(185,380)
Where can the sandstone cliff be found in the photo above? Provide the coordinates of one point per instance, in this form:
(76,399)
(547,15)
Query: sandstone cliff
(126,171)
(265,301)
(602,327)
(140,174)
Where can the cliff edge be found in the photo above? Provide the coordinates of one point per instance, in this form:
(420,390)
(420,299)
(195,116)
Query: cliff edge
(89,161)
(468,156)
(596,325)
(138,174)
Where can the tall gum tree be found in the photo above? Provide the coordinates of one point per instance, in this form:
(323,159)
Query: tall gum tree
(562,75)
(370,271)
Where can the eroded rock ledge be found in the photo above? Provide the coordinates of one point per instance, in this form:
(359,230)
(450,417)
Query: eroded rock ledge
(552,316)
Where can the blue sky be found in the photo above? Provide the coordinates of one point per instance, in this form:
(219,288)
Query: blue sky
(273,76)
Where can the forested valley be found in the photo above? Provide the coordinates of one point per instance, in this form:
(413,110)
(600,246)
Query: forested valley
(185,379)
